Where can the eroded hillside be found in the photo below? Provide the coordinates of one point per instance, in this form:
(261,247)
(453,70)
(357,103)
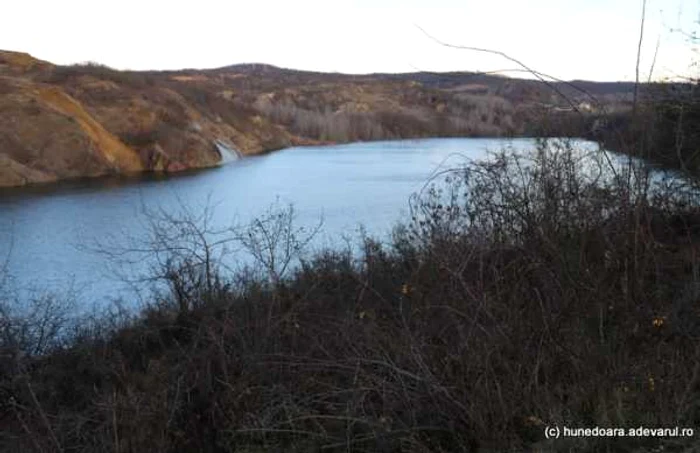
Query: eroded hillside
(61,122)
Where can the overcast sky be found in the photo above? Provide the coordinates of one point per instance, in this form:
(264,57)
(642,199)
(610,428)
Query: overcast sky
(568,39)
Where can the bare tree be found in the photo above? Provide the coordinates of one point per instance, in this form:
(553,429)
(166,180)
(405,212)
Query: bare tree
(181,248)
(185,251)
(273,240)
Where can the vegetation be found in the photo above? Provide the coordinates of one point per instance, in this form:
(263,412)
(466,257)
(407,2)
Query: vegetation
(526,291)
(170,120)
(675,118)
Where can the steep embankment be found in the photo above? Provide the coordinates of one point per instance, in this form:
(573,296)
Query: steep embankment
(46,135)
(90,126)
(60,122)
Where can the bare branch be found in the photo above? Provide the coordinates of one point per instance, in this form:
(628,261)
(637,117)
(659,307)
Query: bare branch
(507,57)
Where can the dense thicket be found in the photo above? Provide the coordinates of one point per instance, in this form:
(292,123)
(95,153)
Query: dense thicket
(554,288)
(676,125)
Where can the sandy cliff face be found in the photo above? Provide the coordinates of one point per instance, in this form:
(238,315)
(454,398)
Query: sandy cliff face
(45,135)
(58,123)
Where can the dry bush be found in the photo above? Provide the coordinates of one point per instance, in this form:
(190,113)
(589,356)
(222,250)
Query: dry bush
(530,291)
(576,272)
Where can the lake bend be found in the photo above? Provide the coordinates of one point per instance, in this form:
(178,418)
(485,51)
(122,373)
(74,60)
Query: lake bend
(44,230)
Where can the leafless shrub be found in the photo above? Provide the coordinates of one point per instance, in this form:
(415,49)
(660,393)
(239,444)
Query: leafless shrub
(274,242)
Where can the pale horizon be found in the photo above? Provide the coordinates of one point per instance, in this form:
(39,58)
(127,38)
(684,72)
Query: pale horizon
(585,40)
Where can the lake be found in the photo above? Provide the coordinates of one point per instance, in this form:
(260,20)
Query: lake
(44,230)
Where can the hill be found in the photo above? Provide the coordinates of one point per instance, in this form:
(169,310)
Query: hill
(89,120)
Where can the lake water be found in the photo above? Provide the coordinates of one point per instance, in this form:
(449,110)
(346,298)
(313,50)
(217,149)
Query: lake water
(44,230)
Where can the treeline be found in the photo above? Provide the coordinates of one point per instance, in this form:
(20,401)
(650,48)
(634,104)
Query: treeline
(477,119)
(674,118)
(662,128)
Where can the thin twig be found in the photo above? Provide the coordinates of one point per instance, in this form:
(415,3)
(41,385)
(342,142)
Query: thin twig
(507,57)
(639,55)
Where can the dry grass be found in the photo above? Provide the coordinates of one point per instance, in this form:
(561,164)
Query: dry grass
(111,149)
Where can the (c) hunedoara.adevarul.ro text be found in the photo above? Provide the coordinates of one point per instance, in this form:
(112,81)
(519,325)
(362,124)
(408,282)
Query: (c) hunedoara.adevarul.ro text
(555,432)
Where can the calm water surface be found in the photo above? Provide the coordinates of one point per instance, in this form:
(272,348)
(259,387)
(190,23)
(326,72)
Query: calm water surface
(42,229)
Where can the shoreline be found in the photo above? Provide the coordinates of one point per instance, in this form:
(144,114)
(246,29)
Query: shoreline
(120,179)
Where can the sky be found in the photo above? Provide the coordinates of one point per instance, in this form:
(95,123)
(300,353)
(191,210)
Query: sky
(566,39)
